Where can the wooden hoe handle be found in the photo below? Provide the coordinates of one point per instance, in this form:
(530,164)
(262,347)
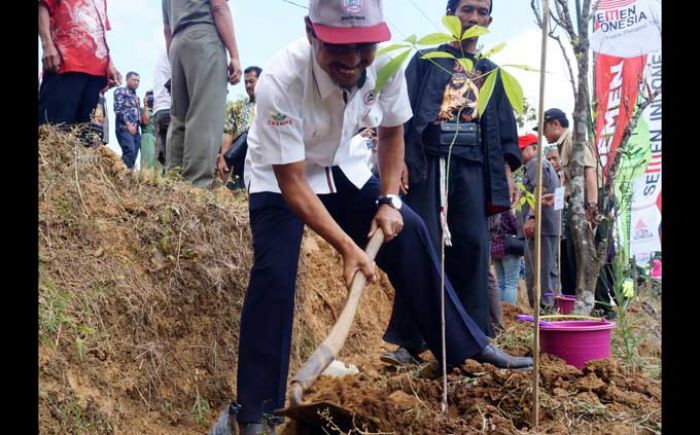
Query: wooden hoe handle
(327,351)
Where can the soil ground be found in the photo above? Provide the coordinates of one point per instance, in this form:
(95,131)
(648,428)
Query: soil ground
(141,286)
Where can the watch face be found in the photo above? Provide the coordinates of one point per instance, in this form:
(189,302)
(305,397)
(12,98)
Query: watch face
(396,202)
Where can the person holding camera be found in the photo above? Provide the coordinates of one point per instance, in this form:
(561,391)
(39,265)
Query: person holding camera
(234,145)
(482,152)
(148,133)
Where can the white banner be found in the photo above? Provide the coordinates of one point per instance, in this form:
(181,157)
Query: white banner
(646,202)
(626,28)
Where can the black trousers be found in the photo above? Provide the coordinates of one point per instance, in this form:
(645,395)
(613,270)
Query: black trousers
(266,321)
(567,274)
(467,260)
(548,260)
(68,98)
(162,122)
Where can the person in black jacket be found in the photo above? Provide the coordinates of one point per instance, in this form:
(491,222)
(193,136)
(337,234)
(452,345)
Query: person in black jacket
(481,160)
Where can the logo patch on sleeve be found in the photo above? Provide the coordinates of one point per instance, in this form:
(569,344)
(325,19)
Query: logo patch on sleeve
(279,120)
(370,98)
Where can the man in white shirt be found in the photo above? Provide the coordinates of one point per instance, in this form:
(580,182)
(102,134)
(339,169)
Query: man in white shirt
(161,103)
(312,98)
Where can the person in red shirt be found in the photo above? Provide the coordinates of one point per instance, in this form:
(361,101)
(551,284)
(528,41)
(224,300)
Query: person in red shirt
(76,60)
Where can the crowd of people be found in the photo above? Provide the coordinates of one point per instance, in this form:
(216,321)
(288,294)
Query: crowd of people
(316,143)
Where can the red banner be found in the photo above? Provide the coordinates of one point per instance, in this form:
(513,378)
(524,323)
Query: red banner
(617,83)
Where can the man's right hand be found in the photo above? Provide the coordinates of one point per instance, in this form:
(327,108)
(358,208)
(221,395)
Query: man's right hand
(355,259)
(234,71)
(529,228)
(548,200)
(51,58)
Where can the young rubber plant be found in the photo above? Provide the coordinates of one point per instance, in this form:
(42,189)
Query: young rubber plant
(512,87)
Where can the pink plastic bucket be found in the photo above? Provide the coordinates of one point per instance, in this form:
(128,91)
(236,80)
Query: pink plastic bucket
(565,304)
(577,341)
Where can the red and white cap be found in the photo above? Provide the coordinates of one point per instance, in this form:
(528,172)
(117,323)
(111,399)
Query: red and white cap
(348,21)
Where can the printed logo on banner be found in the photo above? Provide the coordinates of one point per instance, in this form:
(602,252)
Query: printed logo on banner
(618,15)
(641,231)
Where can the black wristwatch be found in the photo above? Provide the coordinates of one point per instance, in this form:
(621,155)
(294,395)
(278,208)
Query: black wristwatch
(391,200)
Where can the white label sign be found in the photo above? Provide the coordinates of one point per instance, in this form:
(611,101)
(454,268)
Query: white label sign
(558,198)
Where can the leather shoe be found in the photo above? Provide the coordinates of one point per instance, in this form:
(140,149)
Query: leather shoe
(400,357)
(495,356)
(225,424)
(255,429)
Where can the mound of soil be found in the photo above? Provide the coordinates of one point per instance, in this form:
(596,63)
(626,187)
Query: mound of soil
(142,280)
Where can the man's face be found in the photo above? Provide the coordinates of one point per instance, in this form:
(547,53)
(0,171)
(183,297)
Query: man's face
(552,131)
(250,79)
(344,63)
(528,153)
(553,157)
(473,13)
(133,82)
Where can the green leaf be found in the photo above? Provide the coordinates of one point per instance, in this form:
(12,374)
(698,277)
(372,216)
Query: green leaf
(412,39)
(453,24)
(486,91)
(524,67)
(466,63)
(436,38)
(514,91)
(474,32)
(494,50)
(389,48)
(388,70)
(438,55)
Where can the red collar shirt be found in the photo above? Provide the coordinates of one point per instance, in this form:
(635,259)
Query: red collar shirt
(78,30)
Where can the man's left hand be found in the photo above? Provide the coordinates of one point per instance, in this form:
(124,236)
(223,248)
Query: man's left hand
(389,220)
(222,168)
(115,77)
(404,179)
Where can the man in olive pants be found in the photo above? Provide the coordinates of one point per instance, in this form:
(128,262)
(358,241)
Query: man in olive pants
(198,34)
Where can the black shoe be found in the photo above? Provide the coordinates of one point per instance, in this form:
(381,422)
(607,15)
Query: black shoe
(255,429)
(226,423)
(495,356)
(401,357)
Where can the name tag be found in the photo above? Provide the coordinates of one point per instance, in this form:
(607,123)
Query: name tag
(559,198)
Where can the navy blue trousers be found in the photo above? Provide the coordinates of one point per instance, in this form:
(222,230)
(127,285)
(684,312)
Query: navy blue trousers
(68,98)
(467,260)
(266,322)
(130,145)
